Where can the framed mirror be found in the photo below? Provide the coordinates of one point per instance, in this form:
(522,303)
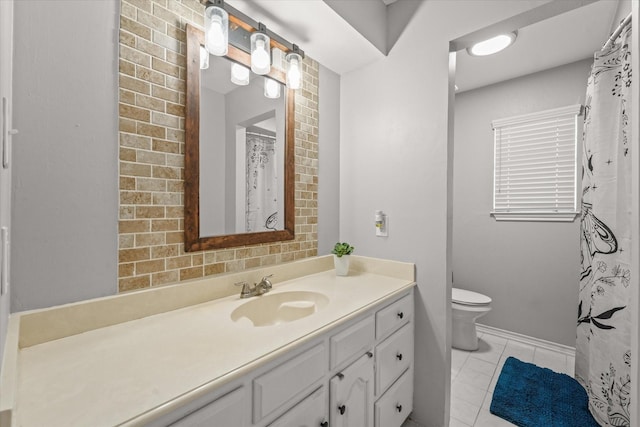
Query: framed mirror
(239,153)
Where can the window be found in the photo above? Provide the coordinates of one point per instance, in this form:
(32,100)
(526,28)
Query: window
(535,166)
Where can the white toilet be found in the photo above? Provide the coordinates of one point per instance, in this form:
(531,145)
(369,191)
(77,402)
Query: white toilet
(466,307)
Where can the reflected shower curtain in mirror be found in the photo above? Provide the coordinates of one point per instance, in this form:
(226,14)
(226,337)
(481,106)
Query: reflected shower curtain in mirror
(262,183)
(603,344)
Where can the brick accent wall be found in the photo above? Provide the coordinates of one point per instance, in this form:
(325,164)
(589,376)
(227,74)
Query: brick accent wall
(152,70)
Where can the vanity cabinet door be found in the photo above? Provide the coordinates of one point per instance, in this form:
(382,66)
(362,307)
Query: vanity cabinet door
(351,395)
(228,410)
(311,412)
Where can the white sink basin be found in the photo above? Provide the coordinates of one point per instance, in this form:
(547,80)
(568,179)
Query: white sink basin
(283,307)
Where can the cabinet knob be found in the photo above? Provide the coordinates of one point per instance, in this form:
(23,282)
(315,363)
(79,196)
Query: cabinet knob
(399,356)
(340,375)
(342,408)
(324,424)
(400,315)
(368,353)
(399,407)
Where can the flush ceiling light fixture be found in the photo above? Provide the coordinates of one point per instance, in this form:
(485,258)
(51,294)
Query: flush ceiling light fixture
(252,37)
(493,45)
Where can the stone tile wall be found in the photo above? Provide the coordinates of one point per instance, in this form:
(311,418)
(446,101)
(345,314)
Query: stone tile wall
(152,117)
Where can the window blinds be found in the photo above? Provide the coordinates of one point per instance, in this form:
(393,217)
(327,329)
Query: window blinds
(535,166)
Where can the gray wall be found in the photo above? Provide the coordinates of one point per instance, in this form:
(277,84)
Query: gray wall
(624,8)
(393,156)
(529,269)
(6,61)
(328,160)
(65,197)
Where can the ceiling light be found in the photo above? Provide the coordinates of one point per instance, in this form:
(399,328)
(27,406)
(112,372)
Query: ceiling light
(216,27)
(240,74)
(492,45)
(260,51)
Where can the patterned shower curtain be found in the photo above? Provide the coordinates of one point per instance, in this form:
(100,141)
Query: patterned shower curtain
(262,183)
(603,345)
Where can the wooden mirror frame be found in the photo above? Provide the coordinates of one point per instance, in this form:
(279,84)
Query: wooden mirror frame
(192,239)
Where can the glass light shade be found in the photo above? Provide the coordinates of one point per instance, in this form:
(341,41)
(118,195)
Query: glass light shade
(240,74)
(294,76)
(492,45)
(271,88)
(216,27)
(204,58)
(260,53)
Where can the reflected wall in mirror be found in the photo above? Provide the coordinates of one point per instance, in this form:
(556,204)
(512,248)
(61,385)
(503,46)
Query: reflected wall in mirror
(238,154)
(241,153)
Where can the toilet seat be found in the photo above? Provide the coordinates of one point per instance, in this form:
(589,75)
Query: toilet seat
(469,298)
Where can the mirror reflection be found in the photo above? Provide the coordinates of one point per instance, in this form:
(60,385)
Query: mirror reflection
(242,139)
(239,164)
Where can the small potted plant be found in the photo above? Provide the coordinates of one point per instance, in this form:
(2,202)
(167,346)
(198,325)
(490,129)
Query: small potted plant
(341,252)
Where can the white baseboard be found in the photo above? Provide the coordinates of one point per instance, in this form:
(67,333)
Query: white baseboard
(560,348)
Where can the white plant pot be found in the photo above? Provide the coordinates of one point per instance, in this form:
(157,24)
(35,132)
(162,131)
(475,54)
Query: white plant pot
(341,264)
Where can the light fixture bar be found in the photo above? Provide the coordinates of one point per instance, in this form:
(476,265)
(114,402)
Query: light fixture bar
(250,25)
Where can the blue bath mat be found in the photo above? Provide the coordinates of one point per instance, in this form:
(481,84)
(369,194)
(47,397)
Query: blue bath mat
(530,396)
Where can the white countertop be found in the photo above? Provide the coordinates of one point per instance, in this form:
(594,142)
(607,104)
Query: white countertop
(111,375)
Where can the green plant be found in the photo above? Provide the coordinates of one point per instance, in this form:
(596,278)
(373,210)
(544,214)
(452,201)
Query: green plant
(342,249)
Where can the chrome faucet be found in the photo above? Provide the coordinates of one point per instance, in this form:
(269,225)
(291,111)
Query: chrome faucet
(262,287)
(265,283)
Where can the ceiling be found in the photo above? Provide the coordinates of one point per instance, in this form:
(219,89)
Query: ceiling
(329,38)
(319,30)
(556,41)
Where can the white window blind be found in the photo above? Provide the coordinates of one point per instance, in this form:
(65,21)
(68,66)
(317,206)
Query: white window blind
(535,166)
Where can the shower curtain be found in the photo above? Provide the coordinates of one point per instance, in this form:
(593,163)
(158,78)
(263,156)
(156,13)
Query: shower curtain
(603,344)
(262,183)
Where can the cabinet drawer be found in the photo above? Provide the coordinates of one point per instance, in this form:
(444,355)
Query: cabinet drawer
(312,411)
(393,356)
(228,410)
(391,317)
(284,383)
(397,403)
(353,340)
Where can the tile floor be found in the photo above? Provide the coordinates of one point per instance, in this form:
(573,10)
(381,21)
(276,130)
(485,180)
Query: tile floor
(474,375)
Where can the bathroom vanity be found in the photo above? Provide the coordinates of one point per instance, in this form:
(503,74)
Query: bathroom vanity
(337,351)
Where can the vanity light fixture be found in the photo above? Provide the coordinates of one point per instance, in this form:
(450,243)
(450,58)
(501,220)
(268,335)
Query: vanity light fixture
(216,27)
(260,51)
(271,88)
(294,75)
(204,58)
(493,45)
(240,74)
(225,24)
